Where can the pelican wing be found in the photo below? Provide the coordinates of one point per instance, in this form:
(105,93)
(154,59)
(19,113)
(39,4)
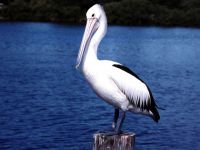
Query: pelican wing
(136,91)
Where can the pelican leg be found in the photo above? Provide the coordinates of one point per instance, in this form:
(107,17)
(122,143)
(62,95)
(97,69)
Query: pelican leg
(120,122)
(116,116)
(114,125)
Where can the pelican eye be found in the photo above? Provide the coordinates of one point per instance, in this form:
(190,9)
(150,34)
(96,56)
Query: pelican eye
(92,15)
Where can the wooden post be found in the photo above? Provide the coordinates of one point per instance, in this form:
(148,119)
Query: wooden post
(102,141)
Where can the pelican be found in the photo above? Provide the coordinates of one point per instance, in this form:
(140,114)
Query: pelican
(113,82)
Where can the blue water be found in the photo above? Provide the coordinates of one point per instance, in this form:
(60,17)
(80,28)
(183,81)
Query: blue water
(46,104)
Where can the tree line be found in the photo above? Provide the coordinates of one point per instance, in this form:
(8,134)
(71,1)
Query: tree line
(120,12)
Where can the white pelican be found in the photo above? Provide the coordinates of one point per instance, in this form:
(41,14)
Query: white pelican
(111,81)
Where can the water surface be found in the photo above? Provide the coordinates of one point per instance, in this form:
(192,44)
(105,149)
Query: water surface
(46,104)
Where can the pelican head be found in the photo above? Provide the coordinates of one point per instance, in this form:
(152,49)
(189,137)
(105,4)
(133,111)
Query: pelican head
(95,30)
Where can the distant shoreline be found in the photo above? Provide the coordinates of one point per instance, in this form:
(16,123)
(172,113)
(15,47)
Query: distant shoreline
(109,24)
(181,13)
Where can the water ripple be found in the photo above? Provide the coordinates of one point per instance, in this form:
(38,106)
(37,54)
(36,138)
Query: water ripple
(46,104)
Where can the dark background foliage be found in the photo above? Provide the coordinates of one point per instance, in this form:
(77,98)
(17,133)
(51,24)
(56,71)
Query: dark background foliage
(122,12)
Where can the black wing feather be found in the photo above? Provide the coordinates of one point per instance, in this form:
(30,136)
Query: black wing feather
(151,105)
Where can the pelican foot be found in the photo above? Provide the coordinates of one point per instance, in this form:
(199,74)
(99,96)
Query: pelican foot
(106,130)
(111,133)
(119,132)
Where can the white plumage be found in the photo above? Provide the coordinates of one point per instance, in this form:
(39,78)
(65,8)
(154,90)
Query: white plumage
(113,82)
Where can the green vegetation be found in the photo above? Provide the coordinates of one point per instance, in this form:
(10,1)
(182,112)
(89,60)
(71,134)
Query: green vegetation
(122,12)
(155,12)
